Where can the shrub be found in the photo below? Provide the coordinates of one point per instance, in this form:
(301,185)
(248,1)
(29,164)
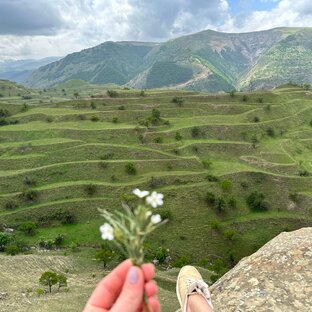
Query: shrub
(206,163)
(28,227)
(10,205)
(161,254)
(130,168)
(65,216)
(59,239)
(244,98)
(210,198)
(215,225)
(178,100)
(221,204)
(165,214)
(255,202)
(112,93)
(90,189)
(304,173)
(3,122)
(260,100)
(232,202)
(95,118)
(26,97)
(232,93)
(178,136)
(256,119)
(121,107)
(142,93)
(195,132)
(39,291)
(62,281)
(93,105)
(29,181)
(25,108)
(270,132)
(5,239)
(212,178)
(229,234)
(159,140)
(181,262)
(115,119)
(12,250)
(30,195)
(226,185)
(306,86)
(46,244)
(4,113)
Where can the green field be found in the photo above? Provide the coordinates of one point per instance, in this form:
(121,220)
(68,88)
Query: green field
(57,144)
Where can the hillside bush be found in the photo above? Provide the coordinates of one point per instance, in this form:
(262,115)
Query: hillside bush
(95,118)
(104,255)
(195,132)
(229,234)
(142,93)
(304,173)
(245,98)
(178,136)
(10,205)
(212,178)
(221,205)
(29,181)
(206,163)
(165,214)
(130,168)
(90,189)
(5,239)
(30,195)
(232,202)
(115,119)
(256,202)
(93,105)
(256,119)
(4,113)
(121,107)
(226,185)
(112,93)
(210,198)
(29,228)
(215,225)
(270,132)
(181,262)
(178,100)
(12,250)
(59,239)
(159,140)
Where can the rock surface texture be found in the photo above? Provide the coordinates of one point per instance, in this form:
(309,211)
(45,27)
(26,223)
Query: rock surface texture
(278,277)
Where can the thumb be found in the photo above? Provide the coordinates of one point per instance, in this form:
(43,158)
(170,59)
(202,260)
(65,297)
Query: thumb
(131,296)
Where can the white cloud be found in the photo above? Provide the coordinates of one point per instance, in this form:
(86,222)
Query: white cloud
(77,24)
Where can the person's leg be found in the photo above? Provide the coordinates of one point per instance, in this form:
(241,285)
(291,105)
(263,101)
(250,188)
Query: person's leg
(197,303)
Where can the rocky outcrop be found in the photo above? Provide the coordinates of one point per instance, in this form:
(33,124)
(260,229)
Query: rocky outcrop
(278,277)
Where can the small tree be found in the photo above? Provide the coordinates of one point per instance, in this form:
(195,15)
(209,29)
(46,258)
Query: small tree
(210,198)
(306,86)
(62,281)
(226,185)
(49,279)
(104,255)
(76,94)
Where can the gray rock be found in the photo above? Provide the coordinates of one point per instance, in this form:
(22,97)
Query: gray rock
(278,277)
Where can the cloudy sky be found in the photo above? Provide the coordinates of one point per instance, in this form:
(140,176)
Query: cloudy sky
(41,28)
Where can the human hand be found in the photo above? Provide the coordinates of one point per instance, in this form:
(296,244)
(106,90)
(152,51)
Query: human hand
(122,290)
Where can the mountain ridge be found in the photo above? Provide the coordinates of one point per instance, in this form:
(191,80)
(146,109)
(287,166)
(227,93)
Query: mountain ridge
(204,61)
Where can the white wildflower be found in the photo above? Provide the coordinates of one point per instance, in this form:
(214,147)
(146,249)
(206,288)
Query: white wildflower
(155,199)
(139,193)
(156,219)
(107,232)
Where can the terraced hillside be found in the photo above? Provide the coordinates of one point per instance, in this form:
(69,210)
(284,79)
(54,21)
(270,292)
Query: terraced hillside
(235,170)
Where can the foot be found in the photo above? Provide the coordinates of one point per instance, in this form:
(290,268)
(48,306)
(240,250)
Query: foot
(189,283)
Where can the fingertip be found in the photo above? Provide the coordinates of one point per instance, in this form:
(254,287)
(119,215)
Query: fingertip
(148,270)
(151,288)
(154,304)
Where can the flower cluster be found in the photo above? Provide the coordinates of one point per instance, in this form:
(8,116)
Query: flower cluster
(128,230)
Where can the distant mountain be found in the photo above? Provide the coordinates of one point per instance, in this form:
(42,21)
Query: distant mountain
(205,61)
(20,70)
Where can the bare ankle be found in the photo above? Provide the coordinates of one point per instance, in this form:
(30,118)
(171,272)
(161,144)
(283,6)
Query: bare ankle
(197,303)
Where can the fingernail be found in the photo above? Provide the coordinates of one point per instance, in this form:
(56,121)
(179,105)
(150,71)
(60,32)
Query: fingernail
(133,276)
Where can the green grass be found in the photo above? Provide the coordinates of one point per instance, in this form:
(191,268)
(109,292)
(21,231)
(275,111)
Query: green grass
(65,154)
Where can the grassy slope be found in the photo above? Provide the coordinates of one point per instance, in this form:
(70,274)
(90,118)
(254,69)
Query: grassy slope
(63,153)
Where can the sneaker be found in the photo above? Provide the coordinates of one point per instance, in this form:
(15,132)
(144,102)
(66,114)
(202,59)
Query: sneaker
(189,283)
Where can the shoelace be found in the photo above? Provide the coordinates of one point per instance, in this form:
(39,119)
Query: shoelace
(199,286)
